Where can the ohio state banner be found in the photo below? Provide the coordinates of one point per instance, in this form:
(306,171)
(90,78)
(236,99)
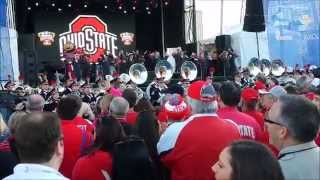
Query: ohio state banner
(90,34)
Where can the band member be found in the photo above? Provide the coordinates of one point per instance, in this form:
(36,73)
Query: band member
(227,57)
(87,95)
(155,91)
(52,101)
(72,87)
(45,88)
(9,86)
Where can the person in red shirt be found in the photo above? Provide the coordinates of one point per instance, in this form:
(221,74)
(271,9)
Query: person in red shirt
(248,103)
(189,148)
(76,140)
(84,124)
(131,96)
(229,98)
(97,163)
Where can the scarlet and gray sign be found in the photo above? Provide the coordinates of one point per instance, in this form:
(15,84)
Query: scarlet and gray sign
(91,34)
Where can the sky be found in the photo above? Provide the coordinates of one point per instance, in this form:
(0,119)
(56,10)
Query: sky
(211,10)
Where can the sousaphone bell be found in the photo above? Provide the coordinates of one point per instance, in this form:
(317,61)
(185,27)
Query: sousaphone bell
(277,68)
(138,73)
(266,67)
(189,71)
(254,66)
(164,70)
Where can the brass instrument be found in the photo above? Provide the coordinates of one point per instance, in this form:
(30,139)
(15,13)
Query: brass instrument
(189,71)
(277,68)
(164,70)
(138,73)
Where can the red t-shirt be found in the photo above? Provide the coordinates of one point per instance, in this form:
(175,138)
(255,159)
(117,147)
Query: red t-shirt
(84,124)
(190,148)
(247,125)
(75,140)
(95,166)
(132,117)
(258,116)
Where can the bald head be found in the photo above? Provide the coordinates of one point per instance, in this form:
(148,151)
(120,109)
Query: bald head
(35,102)
(119,106)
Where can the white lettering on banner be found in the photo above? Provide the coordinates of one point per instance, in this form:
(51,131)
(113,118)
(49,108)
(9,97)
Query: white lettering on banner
(90,34)
(90,41)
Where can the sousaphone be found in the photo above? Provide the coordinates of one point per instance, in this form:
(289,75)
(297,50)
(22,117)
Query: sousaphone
(164,70)
(124,78)
(277,68)
(188,71)
(138,73)
(265,67)
(254,66)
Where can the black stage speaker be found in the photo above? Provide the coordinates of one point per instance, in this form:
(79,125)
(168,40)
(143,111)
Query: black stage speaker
(223,42)
(254,17)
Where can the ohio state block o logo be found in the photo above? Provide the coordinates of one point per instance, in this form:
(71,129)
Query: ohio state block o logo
(91,34)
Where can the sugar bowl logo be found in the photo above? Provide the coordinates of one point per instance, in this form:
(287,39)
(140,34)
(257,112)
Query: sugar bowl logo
(91,34)
(46,37)
(127,38)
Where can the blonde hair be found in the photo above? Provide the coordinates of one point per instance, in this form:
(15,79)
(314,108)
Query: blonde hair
(105,103)
(14,120)
(3,125)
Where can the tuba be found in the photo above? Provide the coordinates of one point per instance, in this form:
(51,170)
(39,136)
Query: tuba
(188,71)
(138,73)
(266,67)
(254,66)
(277,68)
(124,79)
(164,70)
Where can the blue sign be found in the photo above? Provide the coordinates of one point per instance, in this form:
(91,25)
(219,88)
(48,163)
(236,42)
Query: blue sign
(293,31)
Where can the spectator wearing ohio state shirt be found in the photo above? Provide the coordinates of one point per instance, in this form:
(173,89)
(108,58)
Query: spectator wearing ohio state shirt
(76,139)
(97,163)
(229,98)
(248,105)
(189,148)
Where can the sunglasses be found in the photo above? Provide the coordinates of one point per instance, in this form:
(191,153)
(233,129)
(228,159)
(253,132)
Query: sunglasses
(272,122)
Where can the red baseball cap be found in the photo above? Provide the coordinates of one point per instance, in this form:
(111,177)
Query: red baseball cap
(202,91)
(249,94)
(259,85)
